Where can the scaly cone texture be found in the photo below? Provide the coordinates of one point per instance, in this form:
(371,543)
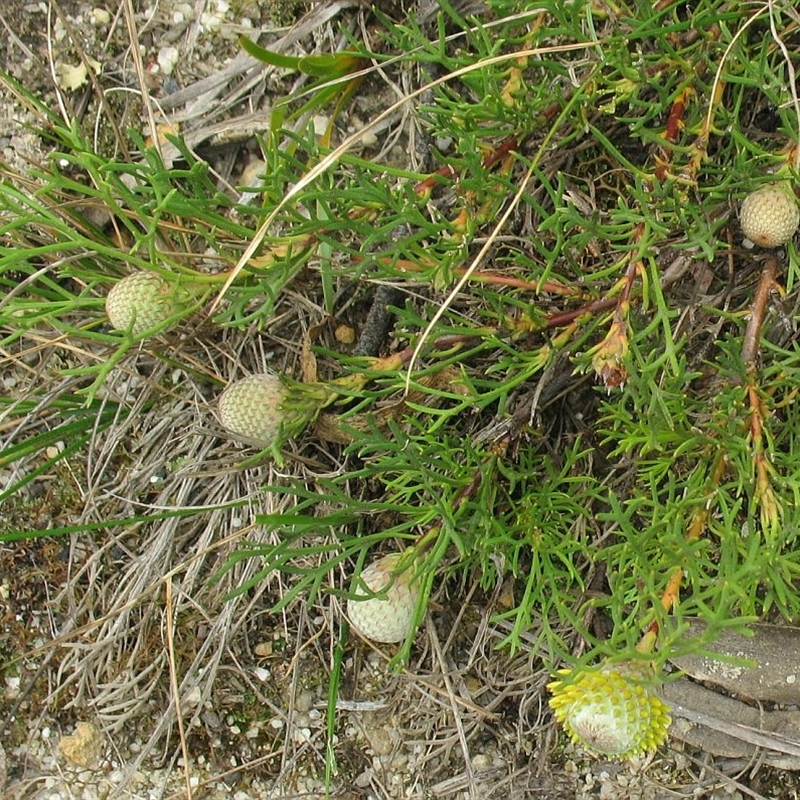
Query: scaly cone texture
(387,618)
(140,302)
(267,409)
(770,216)
(611,710)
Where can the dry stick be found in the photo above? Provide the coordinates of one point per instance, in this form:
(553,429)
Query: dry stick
(752,334)
(173,680)
(452,694)
(379,320)
(769,740)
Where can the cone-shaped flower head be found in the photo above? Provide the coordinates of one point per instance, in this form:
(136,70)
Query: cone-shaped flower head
(387,616)
(267,409)
(770,216)
(140,302)
(611,710)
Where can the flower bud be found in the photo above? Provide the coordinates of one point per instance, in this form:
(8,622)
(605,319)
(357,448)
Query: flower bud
(141,302)
(266,409)
(388,616)
(770,216)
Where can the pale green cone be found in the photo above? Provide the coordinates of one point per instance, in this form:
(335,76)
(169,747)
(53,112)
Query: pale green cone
(141,302)
(770,216)
(267,409)
(386,618)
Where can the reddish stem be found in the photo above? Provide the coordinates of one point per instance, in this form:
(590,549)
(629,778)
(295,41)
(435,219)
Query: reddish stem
(752,334)
(448,172)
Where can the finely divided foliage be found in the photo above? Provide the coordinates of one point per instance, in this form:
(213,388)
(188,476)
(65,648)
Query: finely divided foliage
(539,353)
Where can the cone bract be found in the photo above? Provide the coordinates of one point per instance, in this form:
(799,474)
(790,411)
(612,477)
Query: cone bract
(386,618)
(769,216)
(265,409)
(140,302)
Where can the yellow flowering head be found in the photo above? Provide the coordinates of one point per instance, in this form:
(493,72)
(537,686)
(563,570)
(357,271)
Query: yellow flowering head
(611,710)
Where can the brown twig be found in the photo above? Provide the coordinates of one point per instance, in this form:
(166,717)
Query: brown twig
(752,334)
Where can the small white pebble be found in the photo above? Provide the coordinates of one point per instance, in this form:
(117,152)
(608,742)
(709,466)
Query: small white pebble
(480,762)
(301,735)
(320,124)
(167,59)
(194,697)
(210,22)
